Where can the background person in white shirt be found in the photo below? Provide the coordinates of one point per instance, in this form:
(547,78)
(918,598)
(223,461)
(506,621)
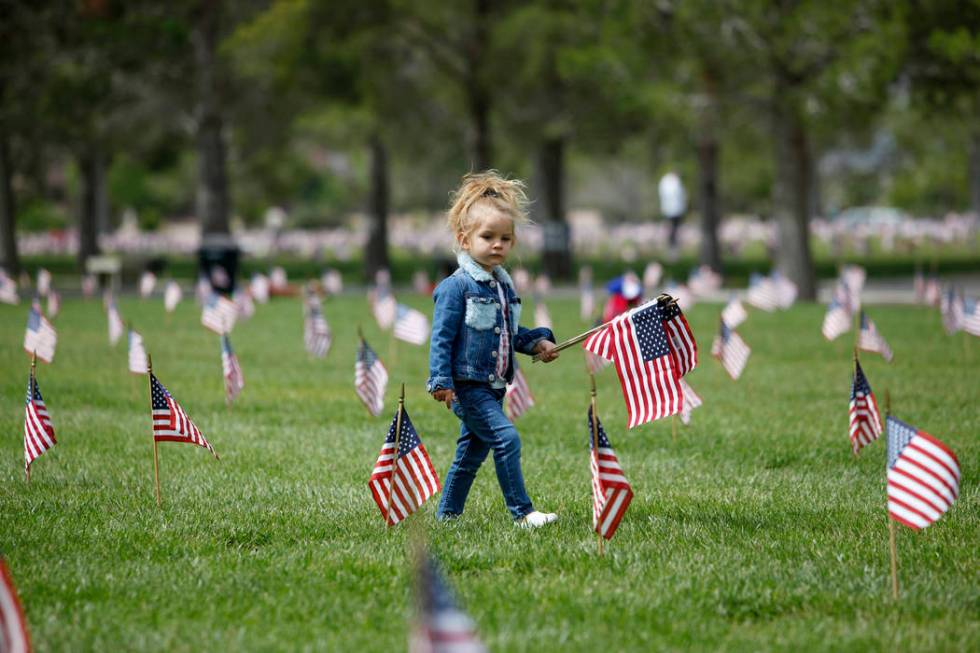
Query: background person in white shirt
(673,204)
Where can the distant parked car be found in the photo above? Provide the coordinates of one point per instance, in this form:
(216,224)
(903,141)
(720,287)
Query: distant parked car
(871,216)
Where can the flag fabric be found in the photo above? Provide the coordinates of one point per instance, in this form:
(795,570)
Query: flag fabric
(952,309)
(836,321)
(170,422)
(611,492)
(38,430)
(219,314)
(762,293)
(441,626)
(116,326)
(734,313)
(234,381)
(40,336)
(137,354)
(370,379)
(43,282)
(731,351)
(865,422)
(785,290)
(971,317)
(172,294)
(148,281)
(847,297)
(408,478)
(870,340)
(411,325)
(542,316)
(593,363)
(384,307)
(316,332)
(637,342)
(923,476)
(854,276)
(691,401)
(680,337)
(518,396)
(260,288)
(8,289)
(13,626)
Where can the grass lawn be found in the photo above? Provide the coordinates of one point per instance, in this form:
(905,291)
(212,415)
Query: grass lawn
(756,529)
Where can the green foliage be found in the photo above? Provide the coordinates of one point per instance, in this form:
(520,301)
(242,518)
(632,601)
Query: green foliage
(41,215)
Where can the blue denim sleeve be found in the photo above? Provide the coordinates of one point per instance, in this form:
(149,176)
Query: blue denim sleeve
(527,339)
(446,322)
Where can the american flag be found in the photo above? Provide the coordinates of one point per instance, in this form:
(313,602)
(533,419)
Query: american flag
(40,336)
(731,350)
(137,354)
(170,422)
(691,401)
(411,325)
(38,431)
(13,626)
(519,397)
(148,281)
(441,626)
(636,342)
(762,293)
(542,316)
(854,276)
(43,282)
(786,290)
(370,379)
(679,335)
(234,381)
(316,332)
(923,476)
(847,297)
(116,326)
(172,295)
(836,321)
(415,480)
(54,303)
(384,307)
(260,288)
(865,422)
(8,289)
(870,340)
(971,317)
(952,309)
(734,313)
(244,305)
(611,492)
(219,313)
(593,363)
(651,277)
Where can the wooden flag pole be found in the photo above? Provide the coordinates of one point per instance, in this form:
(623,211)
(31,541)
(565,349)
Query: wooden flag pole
(394,459)
(156,463)
(891,522)
(595,446)
(27,468)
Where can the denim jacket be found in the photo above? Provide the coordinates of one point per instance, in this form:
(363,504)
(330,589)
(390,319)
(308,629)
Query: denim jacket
(467,323)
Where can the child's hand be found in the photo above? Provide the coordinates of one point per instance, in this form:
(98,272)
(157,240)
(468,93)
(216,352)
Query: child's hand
(444,395)
(545,351)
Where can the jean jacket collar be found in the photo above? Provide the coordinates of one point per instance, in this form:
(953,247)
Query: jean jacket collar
(472,268)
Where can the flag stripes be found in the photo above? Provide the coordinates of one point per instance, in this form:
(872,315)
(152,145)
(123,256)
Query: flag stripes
(611,492)
(370,379)
(38,430)
(13,626)
(729,348)
(170,422)
(518,396)
(409,478)
(865,422)
(923,476)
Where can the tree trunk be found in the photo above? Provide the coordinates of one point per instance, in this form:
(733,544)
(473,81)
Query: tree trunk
(212,185)
(93,190)
(376,252)
(557,255)
(477,94)
(791,194)
(708,180)
(9,260)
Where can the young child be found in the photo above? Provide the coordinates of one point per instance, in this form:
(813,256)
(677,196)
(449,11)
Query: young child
(475,331)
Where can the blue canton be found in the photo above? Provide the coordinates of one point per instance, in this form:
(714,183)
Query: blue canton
(603,440)
(159,394)
(409,438)
(650,333)
(860,383)
(899,435)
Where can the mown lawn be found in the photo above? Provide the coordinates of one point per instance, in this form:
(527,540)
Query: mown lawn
(755,529)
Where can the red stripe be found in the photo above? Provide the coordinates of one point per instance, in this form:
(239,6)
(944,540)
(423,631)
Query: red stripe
(928,471)
(899,486)
(901,520)
(913,479)
(901,503)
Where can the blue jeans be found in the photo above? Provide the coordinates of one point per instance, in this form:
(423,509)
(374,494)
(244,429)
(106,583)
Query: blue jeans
(484,427)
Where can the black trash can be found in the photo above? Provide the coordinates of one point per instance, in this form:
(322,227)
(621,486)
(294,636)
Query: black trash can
(218,262)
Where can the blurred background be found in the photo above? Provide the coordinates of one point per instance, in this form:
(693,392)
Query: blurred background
(329,133)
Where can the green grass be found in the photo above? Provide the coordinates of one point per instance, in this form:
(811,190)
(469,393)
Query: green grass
(756,529)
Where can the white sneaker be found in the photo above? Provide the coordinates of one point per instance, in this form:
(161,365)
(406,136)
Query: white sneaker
(536,519)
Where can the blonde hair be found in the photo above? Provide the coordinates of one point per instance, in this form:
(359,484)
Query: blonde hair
(485,189)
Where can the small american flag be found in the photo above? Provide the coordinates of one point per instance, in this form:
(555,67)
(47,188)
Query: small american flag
(411,325)
(441,626)
(148,281)
(116,326)
(731,350)
(542,316)
(370,379)
(519,397)
(923,476)
(219,314)
(952,309)
(734,313)
(854,276)
(691,401)
(870,340)
(611,492)
(786,290)
(234,381)
(971,317)
(847,297)
(170,422)
(636,342)
(679,335)
(593,363)
(863,413)
(172,295)
(38,431)
(415,480)
(384,307)
(43,282)
(260,288)
(8,289)
(762,293)
(13,626)
(836,321)
(316,332)
(40,336)
(137,354)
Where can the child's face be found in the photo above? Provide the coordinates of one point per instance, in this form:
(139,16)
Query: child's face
(489,242)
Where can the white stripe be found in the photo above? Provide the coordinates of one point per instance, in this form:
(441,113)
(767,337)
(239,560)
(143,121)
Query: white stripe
(907,515)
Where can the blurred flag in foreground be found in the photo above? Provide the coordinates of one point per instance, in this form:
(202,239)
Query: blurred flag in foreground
(923,476)
(836,321)
(370,379)
(38,430)
(519,397)
(762,293)
(234,381)
(734,313)
(731,350)
(611,492)
(405,477)
(870,340)
(170,422)
(691,401)
(865,422)
(13,626)
(137,353)
(679,335)
(440,625)
(411,325)
(40,336)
